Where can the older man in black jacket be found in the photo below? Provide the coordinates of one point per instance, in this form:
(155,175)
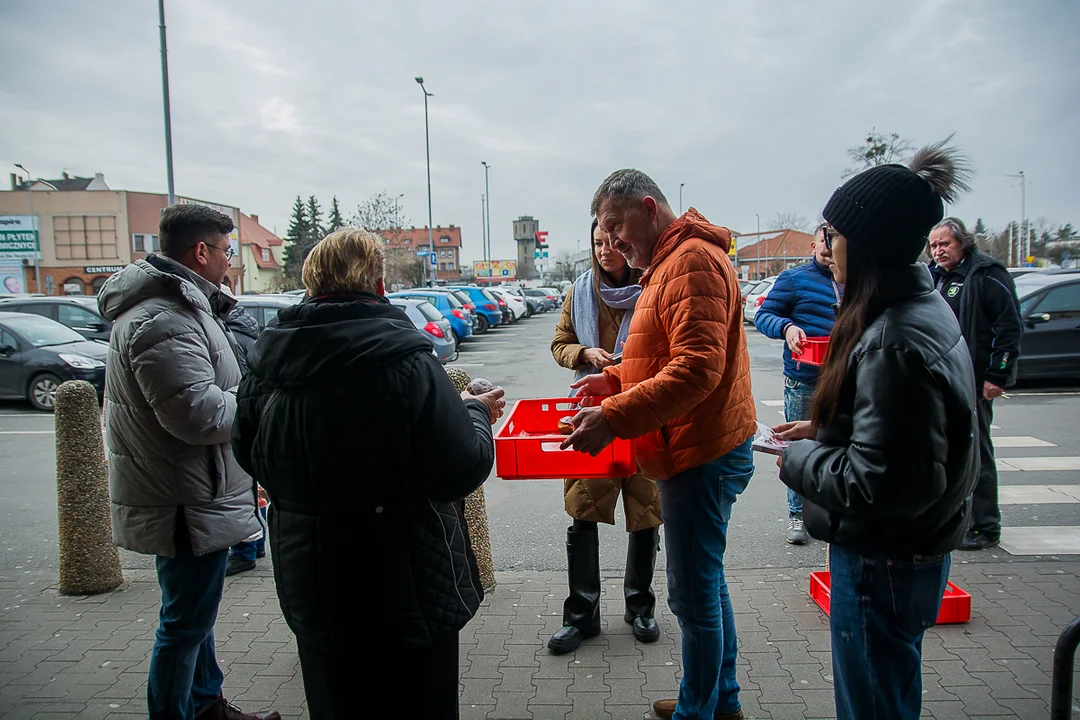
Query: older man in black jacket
(981,293)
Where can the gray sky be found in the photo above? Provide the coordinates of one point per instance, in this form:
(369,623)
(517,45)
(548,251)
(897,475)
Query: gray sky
(752,105)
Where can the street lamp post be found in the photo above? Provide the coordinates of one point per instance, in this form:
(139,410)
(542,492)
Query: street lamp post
(1025,240)
(427,145)
(487,192)
(483,231)
(397,238)
(680,197)
(758,245)
(33,220)
(165,98)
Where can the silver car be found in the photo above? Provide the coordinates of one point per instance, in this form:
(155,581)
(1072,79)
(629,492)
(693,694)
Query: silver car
(431,322)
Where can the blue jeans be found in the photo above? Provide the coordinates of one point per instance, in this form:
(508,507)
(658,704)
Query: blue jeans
(798,398)
(184,675)
(879,611)
(251,550)
(696,506)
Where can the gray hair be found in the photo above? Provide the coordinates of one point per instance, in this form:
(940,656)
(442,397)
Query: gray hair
(627,185)
(959,231)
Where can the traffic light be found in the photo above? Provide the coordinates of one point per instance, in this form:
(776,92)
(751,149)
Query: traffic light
(541,251)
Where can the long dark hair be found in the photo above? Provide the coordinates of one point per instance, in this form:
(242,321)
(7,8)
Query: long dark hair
(865,276)
(633,276)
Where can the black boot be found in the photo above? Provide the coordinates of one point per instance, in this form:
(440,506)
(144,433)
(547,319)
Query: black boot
(581,611)
(637,587)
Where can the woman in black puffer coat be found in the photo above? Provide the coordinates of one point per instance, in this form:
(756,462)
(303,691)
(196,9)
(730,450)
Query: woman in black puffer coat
(366,450)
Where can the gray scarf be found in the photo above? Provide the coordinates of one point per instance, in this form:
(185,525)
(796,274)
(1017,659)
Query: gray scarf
(585,313)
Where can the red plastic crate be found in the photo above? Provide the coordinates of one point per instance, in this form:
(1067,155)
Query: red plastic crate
(814,350)
(955,604)
(527,446)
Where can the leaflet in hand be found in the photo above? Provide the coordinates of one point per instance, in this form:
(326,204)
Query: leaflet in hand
(767,442)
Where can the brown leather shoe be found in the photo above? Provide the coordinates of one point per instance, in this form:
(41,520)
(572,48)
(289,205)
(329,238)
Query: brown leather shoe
(664,709)
(222,709)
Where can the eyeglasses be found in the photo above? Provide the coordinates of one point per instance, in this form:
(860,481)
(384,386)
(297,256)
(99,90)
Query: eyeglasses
(227,251)
(827,234)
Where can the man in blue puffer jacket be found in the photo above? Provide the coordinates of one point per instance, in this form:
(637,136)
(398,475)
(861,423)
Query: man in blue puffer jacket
(801,304)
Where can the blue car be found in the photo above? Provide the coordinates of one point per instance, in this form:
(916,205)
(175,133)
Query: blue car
(488,313)
(461,321)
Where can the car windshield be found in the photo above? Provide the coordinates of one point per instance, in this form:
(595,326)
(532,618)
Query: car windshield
(428,311)
(40,331)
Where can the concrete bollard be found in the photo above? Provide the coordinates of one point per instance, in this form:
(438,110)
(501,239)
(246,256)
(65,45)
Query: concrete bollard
(89,561)
(476,508)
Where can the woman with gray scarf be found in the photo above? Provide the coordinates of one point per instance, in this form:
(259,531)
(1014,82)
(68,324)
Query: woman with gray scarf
(594,325)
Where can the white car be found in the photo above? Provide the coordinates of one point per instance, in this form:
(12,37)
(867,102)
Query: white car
(515,303)
(756,297)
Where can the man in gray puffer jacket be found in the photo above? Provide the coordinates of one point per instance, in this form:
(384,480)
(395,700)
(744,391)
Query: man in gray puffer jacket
(177,492)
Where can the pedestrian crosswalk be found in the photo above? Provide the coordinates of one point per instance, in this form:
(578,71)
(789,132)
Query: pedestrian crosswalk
(1038,491)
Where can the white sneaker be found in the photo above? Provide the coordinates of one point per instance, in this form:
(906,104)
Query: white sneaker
(796,531)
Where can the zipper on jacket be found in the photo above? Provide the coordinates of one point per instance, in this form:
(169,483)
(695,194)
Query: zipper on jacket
(215,476)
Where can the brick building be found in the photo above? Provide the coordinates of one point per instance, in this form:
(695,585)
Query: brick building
(770,252)
(447,241)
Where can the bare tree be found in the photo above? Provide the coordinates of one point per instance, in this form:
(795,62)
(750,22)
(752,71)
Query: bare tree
(382,214)
(790,221)
(563,266)
(878,149)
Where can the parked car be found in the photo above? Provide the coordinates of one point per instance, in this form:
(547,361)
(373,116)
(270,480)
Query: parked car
(745,286)
(488,313)
(553,295)
(430,321)
(515,303)
(1050,309)
(756,297)
(532,305)
(37,354)
(78,312)
(461,320)
(265,308)
(546,301)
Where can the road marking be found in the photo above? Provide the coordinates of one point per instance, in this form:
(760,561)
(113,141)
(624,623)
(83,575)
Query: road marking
(481,352)
(1044,540)
(1036,464)
(497,342)
(27,414)
(465,365)
(1020,441)
(773,403)
(1038,494)
(27,432)
(1025,394)
(995,427)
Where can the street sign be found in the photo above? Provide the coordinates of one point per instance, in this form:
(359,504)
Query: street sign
(434,260)
(422,251)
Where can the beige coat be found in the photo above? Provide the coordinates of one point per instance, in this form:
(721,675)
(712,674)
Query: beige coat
(594,499)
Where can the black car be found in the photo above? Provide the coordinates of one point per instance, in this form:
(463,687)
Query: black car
(37,354)
(264,308)
(1050,309)
(78,312)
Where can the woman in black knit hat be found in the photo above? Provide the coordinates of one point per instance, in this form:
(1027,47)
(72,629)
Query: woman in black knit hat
(888,462)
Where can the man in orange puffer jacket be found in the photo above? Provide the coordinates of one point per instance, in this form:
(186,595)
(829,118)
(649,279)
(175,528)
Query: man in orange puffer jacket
(683,390)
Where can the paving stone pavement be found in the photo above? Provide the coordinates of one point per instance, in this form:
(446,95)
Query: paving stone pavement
(87,657)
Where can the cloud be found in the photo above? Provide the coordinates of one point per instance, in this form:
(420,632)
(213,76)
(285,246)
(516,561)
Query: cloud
(279,115)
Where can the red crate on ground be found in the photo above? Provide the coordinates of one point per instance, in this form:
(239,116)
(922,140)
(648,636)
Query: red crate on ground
(955,604)
(814,350)
(527,446)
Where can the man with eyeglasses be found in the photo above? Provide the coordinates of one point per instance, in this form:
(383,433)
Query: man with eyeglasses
(801,304)
(177,492)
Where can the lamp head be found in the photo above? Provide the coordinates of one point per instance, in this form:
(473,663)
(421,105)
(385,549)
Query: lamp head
(419,79)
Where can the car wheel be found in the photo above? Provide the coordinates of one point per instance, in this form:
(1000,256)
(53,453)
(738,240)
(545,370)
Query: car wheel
(482,325)
(42,392)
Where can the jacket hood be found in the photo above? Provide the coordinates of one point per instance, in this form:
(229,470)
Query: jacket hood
(691,225)
(329,338)
(157,276)
(975,258)
(241,323)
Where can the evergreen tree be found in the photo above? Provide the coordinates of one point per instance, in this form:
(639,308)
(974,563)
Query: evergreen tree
(316,229)
(297,238)
(335,220)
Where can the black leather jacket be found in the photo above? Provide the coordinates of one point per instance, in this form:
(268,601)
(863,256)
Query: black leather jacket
(893,473)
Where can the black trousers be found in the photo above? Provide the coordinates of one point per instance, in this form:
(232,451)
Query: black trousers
(985,513)
(401,682)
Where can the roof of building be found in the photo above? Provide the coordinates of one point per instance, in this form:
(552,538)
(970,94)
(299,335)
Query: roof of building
(419,236)
(65,183)
(774,243)
(252,233)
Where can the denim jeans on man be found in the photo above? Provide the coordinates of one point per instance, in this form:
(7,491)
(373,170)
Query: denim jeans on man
(185,678)
(798,398)
(696,506)
(879,611)
(255,548)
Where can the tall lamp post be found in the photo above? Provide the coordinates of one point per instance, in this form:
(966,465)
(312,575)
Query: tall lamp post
(758,245)
(680,197)
(487,192)
(397,238)
(427,144)
(33,220)
(483,231)
(165,98)
(1025,241)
